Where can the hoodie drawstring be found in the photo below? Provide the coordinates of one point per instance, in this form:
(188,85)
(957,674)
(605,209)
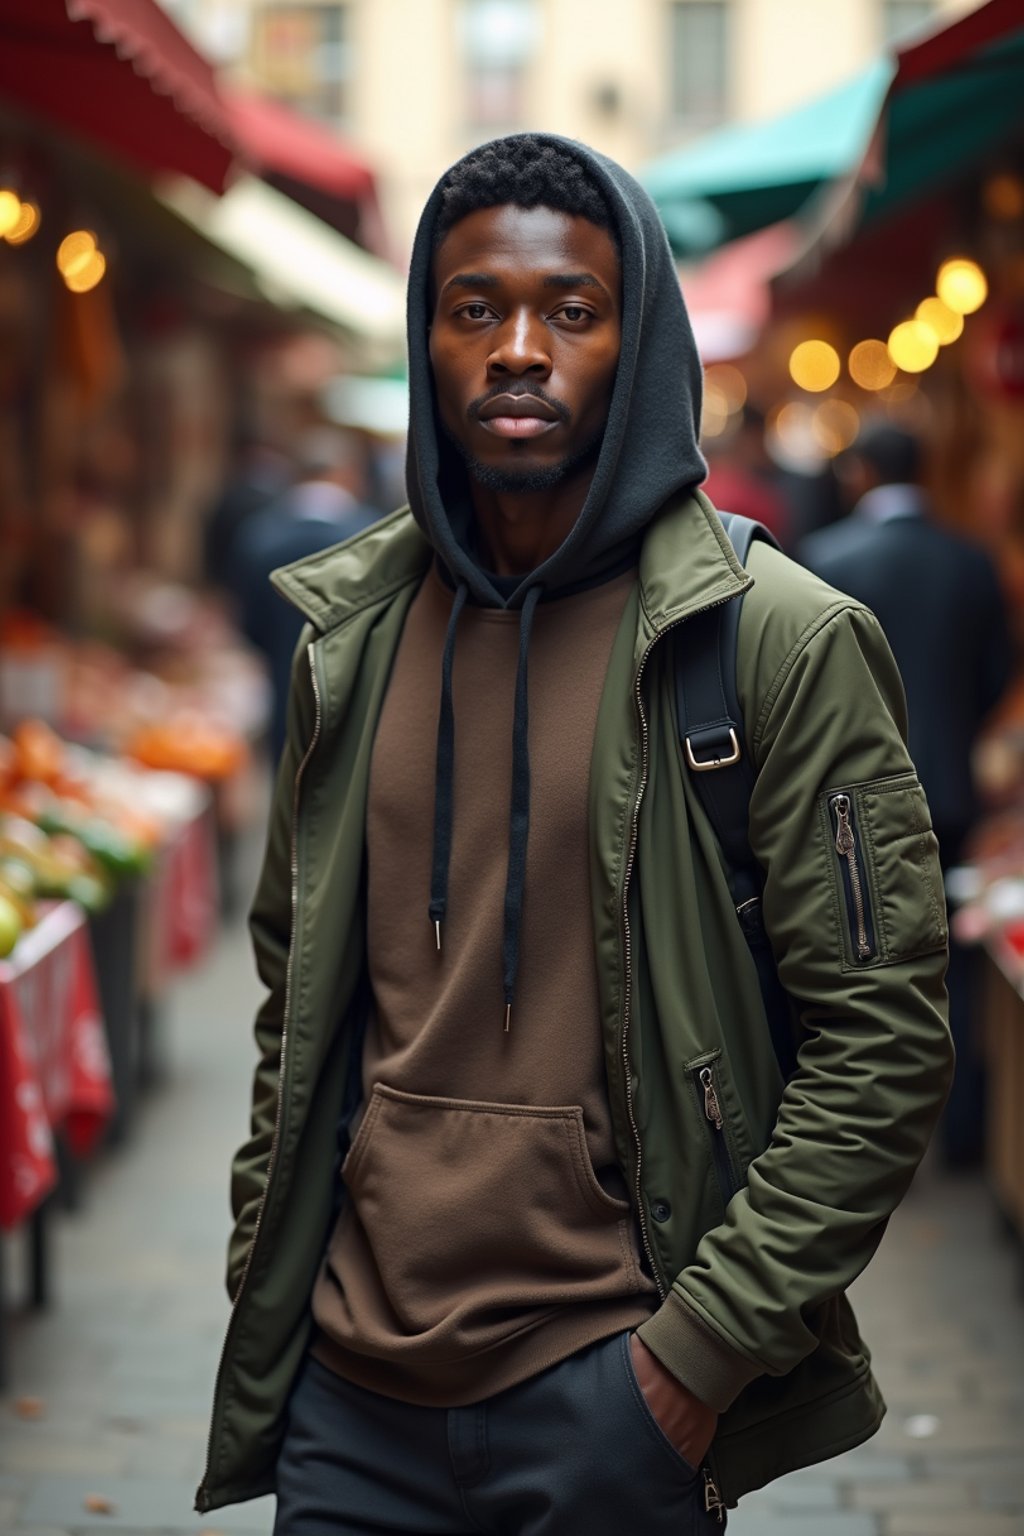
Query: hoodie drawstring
(443,780)
(519,802)
(519,809)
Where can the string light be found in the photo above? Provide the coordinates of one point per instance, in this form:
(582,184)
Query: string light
(86,274)
(913,346)
(814,366)
(75,251)
(945,323)
(25,225)
(962,285)
(10,209)
(870,365)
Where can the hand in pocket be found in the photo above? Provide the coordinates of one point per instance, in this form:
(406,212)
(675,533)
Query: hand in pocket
(687,1423)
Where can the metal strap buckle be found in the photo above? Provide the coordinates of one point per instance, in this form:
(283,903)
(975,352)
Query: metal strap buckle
(710,764)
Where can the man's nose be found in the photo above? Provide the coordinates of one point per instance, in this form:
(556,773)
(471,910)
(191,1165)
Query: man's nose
(521,346)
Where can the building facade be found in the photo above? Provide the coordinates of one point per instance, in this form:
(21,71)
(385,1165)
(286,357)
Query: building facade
(415,83)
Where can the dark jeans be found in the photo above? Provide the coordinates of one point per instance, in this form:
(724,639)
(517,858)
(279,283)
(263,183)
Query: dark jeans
(574,1450)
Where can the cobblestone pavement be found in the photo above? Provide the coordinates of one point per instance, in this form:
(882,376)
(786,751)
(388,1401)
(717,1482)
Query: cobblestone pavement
(122,1365)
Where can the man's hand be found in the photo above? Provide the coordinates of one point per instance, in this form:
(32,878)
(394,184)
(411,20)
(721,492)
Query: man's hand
(685,1421)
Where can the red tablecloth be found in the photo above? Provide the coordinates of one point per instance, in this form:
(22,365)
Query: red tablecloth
(54,1065)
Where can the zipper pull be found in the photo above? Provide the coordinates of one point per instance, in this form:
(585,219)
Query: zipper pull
(844,831)
(713,1502)
(712,1108)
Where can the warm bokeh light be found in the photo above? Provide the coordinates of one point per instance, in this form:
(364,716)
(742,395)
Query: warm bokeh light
(938,317)
(25,225)
(814,365)
(10,209)
(87,273)
(714,416)
(962,285)
(913,346)
(870,365)
(75,252)
(835,424)
(790,436)
(727,379)
(1003,196)
(903,388)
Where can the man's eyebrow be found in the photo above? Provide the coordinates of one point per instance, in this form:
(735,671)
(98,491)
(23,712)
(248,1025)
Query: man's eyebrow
(471,280)
(573,280)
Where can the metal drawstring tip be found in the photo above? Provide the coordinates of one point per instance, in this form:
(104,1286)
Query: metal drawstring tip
(437,931)
(508,1016)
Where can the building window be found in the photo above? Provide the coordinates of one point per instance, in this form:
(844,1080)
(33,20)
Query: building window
(302,55)
(900,18)
(699,52)
(499,39)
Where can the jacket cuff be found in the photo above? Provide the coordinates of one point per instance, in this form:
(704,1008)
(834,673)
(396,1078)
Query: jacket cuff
(697,1356)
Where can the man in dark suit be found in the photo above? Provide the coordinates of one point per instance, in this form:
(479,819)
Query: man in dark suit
(323,507)
(937,596)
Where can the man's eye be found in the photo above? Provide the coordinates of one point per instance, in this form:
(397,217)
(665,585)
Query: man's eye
(574,313)
(475,311)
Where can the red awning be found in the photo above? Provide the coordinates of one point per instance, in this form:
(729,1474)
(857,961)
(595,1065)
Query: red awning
(728,295)
(949,46)
(280,142)
(120,73)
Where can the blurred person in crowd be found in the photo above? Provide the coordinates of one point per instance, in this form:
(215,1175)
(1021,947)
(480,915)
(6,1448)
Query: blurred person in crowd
(741,476)
(323,507)
(937,597)
(499,1264)
(259,473)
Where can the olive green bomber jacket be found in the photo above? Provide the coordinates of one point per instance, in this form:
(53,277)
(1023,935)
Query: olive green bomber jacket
(757,1205)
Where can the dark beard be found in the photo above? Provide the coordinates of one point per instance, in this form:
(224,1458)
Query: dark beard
(521,482)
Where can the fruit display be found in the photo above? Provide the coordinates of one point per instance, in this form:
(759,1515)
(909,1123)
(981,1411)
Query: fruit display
(72,824)
(189,744)
(185,698)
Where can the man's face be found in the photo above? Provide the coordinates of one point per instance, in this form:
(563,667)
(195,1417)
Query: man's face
(525,342)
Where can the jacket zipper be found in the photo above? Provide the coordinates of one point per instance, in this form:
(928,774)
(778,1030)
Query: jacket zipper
(285,1035)
(706,1084)
(645,1236)
(713,1501)
(856,898)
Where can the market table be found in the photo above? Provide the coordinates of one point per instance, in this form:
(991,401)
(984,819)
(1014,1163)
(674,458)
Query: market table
(179,921)
(1004,1051)
(55,1078)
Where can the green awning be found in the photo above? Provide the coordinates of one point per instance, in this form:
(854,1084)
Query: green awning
(741,178)
(938,128)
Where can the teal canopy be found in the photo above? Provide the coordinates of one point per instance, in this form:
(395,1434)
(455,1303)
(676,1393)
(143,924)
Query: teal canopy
(931,114)
(936,129)
(741,178)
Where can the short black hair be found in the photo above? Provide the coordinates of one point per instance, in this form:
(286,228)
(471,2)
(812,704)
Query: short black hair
(893,453)
(528,172)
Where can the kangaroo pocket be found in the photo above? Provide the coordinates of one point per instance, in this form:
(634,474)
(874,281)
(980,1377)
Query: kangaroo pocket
(466,1222)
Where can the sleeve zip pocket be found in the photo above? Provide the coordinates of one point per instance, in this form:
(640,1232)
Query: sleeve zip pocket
(705,1081)
(853,871)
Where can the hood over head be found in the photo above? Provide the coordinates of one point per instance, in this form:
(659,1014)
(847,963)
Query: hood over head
(649,449)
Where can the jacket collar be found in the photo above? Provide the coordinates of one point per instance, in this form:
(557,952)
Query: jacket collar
(686,564)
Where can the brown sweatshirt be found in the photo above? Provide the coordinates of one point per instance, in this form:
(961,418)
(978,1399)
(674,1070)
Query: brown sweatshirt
(485,1235)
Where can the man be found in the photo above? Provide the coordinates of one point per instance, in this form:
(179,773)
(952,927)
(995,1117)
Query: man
(937,597)
(323,507)
(587,1273)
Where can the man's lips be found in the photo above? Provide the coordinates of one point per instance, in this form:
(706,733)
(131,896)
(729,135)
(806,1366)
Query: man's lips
(517,416)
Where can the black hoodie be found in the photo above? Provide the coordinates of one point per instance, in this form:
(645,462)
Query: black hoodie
(649,452)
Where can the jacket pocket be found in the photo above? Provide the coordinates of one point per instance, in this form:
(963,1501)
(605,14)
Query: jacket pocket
(887,881)
(721,1121)
(469,1220)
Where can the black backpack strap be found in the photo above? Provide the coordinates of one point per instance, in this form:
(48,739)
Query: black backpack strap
(714,746)
(711,728)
